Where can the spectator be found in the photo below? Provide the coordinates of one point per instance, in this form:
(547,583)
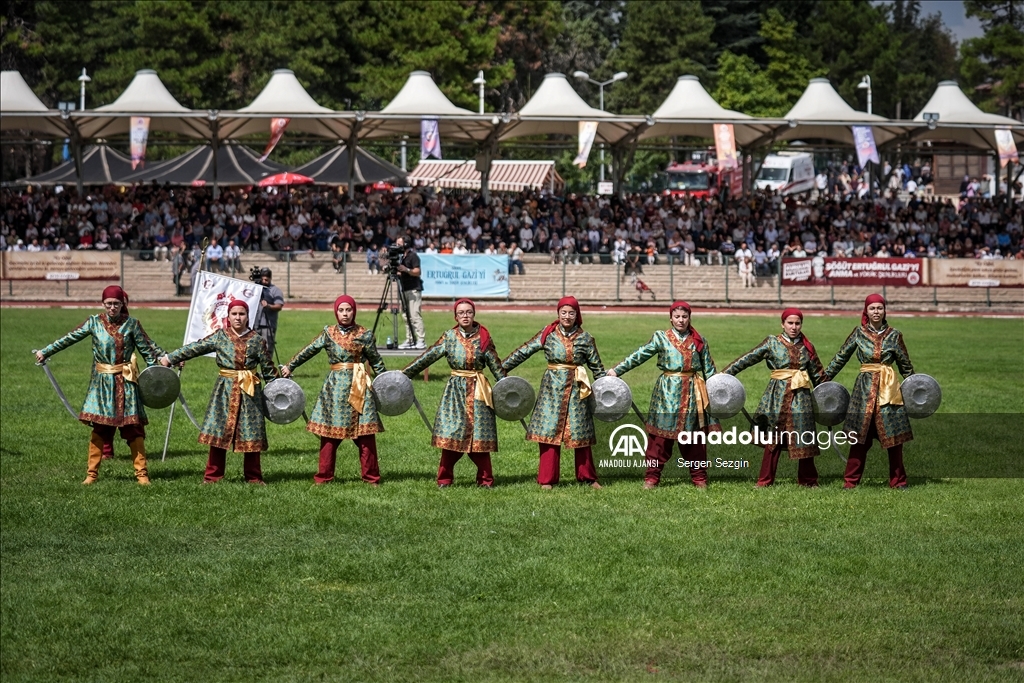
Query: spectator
(232,258)
(214,257)
(515,259)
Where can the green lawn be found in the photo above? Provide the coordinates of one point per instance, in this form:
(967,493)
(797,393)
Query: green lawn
(231,582)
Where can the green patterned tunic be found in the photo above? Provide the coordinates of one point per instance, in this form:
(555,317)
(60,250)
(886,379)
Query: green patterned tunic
(674,401)
(561,416)
(233,420)
(111,400)
(782,408)
(333,416)
(887,347)
(463,423)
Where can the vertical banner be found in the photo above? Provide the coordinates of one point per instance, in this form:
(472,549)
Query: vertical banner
(210,298)
(588,131)
(725,145)
(430,139)
(864,141)
(139,134)
(277,127)
(1006,146)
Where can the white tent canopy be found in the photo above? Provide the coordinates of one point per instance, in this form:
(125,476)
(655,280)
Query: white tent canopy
(961,121)
(557,109)
(821,113)
(689,111)
(20,109)
(420,98)
(146,95)
(284,97)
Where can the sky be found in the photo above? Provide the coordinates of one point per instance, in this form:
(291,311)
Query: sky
(953,17)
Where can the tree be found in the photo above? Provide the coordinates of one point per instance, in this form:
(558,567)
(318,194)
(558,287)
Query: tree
(529,32)
(791,64)
(993,64)
(745,87)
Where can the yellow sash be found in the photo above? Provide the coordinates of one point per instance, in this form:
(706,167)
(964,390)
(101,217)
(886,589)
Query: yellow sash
(581,376)
(702,391)
(247,380)
(798,379)
(129,370)
(483,387)
(360,384)
(888,388)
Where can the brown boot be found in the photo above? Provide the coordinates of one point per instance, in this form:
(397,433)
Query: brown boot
(138,451)
(95,456)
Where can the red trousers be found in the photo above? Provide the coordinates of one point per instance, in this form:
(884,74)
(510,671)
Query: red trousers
(550,463)
(367,446)
(858,458)
(446,470)
(659,448)
(806,472)
(106,432)
(218,459)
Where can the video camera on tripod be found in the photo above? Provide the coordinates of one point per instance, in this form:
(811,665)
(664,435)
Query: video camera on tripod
(394,259)
(392,299)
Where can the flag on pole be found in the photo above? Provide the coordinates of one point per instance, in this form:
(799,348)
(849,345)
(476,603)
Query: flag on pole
(138,135)
(864,141)
(211,295)
(430,139)
(277,127)
(588,131)
(1006,146)
(725,145)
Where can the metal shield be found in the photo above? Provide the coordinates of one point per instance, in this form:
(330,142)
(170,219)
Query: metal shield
(726,396)
(394,392)
(159,386)
(831,399)
(283,401)
(610,399)
(921,395)
(513,398)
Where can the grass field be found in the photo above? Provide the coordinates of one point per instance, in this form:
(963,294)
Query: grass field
(231,582)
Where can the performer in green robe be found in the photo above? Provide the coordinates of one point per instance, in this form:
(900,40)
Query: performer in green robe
(561,415)
(346,407)
(786,407)
(465,418)
(679,401)
(233,419)
(876,406)
(113,401)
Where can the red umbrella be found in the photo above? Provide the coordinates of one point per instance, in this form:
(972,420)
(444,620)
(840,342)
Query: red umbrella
(286,179)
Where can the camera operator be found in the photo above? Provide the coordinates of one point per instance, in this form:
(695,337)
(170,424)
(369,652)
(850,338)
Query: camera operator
(412,290)
(271,303)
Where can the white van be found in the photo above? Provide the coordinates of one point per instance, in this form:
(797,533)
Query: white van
(787,173)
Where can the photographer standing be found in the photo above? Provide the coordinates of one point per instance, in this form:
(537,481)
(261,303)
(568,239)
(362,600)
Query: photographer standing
(271,304)
(412,290)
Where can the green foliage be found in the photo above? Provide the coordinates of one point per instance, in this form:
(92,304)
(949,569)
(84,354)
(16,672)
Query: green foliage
(790,60)
(994,63)
(529,31)
(745,87)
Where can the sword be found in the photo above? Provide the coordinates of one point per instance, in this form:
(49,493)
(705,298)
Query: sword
(188,413)
(56,387)
(749,419)
(416,402)
(637,411)
(833,445)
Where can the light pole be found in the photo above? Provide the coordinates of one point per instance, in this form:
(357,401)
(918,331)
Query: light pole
(584,76)
(865,84)
(83,79)
(479,80)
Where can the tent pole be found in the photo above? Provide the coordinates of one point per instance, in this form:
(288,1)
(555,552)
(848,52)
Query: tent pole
(214,143)
(352,145)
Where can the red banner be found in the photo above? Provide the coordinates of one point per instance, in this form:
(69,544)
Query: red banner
(820,270)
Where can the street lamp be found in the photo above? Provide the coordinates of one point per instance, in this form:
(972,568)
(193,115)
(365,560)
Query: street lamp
(865,84)
(479,80)
(584,76)
(83,79)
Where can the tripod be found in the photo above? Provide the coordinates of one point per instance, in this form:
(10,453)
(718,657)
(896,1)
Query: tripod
(392,290)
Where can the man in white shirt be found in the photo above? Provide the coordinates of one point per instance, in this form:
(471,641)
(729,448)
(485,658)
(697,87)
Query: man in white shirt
(232,257)
(515,259)
(214,257)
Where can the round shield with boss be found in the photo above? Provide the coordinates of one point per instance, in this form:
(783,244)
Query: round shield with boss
(283,401)
(513,398)
(726,396)
(394,392)
(610,398)
(159,386)
(921,395)
(831,400)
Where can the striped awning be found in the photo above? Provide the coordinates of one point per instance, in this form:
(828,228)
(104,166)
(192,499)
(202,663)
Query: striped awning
(506,176)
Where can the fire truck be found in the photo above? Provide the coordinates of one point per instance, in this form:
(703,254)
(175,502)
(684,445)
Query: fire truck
(701,177)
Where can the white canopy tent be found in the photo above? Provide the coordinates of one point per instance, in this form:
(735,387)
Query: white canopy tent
(20,109)
(146,95)
(689,111)
(420,98)
(960,120)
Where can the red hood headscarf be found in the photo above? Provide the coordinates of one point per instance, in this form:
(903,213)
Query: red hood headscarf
(564,301)
(797,312)
(115,292)
(698,340)
(485,336)
(239,303)
(345,299)
(872,299)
